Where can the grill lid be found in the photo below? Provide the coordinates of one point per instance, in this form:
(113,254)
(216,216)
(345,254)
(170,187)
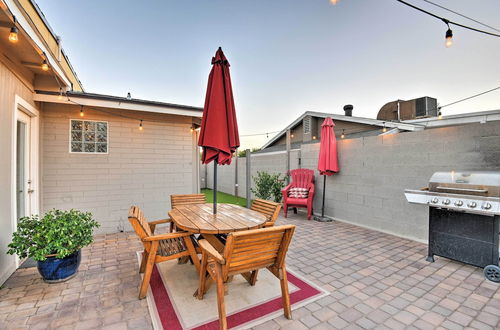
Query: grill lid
(478,183)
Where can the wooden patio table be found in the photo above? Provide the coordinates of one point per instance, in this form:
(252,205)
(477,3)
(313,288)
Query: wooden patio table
(199,219)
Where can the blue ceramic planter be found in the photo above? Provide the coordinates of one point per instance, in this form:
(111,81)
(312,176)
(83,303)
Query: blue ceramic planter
(55,270)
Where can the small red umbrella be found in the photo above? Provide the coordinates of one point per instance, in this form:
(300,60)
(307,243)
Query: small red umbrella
(219,129)
(328,163)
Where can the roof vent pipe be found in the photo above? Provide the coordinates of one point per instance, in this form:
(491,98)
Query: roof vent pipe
(348,110)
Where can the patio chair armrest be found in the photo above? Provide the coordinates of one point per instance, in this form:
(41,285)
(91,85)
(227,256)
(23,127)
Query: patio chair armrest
(157,222)
(165,236)
(286,188)
(207,248)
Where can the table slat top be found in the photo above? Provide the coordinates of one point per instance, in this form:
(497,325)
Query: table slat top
(199,218)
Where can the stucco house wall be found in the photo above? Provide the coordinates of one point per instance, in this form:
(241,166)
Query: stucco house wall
(141,168)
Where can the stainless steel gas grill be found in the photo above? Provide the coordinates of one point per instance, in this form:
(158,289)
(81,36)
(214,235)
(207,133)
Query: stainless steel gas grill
(464,217)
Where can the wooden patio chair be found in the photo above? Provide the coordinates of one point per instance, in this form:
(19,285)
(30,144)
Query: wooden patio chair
(270,209)
(158,248)
(177,200)
(245,253)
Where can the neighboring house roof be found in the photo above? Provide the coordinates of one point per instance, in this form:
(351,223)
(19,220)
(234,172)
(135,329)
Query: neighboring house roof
(360,120)
(118,102)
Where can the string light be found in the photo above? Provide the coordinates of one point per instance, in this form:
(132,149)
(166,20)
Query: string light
(45,65)
(449,35)
(81,111)
(385,128)
(191,129)
(140,126)
(342,136)
(60,96)
(334,2)
(314,137)
(13,32)
(440,116)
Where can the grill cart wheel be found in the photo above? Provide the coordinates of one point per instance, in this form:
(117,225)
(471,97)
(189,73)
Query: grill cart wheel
(492,273)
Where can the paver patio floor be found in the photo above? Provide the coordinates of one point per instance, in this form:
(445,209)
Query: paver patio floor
(376,281)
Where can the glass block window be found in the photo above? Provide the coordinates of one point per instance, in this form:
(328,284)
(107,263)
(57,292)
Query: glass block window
(88,136)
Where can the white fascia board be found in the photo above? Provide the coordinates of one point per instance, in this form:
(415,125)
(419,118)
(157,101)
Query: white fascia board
(460,119)
(117,105)
(21,20)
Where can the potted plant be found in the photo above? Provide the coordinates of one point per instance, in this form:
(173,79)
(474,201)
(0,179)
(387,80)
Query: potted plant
(54,241)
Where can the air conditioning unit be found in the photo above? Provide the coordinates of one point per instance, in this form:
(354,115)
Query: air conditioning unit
(426,107)
(407,110)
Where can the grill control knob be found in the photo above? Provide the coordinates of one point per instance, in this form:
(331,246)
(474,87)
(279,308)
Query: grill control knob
(472,205)
(486,206)
(434,200)
(459,203)
(446,202)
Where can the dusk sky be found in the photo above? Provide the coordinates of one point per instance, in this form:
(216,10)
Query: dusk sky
(287,56)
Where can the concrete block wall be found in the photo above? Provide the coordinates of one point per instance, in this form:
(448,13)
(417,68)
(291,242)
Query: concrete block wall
(141,168)
(375,171)
(274,163)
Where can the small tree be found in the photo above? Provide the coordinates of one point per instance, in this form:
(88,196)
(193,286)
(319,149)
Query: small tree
(268,186)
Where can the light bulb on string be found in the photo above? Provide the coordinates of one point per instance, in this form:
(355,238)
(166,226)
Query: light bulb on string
(449,34)
(384,129)
(13,32)
(440,115)
(140,126)
(81,111)
(342,136)
(191,129)
(45,65)
(60,96)
(334,2)
(449,38)
(314,137)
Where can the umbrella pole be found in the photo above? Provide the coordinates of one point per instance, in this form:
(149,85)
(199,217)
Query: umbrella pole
(322,217)
(324,193)
(215,186)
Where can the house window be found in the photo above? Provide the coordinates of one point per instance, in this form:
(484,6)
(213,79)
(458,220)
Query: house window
(88,136)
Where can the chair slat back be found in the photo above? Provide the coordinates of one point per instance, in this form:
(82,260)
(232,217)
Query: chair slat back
(177,200)
(138,222)
(270,209)
(302,177)
(258,248)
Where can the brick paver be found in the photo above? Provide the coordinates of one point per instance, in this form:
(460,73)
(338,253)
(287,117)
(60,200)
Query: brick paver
(375,280)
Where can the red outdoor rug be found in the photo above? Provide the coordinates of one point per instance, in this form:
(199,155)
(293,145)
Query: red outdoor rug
(172,305)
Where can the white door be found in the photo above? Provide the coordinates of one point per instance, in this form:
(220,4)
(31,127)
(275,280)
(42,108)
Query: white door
(23,162)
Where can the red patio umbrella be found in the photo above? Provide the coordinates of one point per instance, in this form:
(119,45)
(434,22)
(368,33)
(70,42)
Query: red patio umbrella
(219,129)
(328,163)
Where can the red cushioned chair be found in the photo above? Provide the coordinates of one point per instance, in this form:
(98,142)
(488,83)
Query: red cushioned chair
(301,178)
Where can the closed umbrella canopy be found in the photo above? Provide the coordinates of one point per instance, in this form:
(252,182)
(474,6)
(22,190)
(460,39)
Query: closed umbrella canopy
(328,163)
(219,129)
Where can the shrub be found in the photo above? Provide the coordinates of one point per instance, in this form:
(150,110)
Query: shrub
(58,233)
(268,186)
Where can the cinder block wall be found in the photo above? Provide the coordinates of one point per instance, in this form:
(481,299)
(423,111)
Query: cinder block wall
(369,190)
(141,168)
(274,163)
(375,171)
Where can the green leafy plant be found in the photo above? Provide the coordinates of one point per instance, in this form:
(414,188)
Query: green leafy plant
(58,233)
(268,186)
